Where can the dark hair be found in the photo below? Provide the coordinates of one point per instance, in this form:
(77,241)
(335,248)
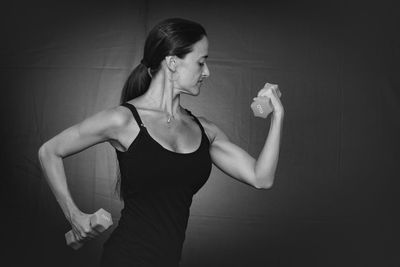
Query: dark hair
(170,37)
(174,36)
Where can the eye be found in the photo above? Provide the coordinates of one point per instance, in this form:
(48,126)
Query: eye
(201,63)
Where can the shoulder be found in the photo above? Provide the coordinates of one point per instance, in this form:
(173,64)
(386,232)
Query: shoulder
(212,130)
(116,116)
(110,120)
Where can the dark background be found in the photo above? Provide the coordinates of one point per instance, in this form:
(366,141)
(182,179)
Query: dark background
(334,202)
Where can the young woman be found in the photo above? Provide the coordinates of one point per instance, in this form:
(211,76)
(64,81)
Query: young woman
(165,153)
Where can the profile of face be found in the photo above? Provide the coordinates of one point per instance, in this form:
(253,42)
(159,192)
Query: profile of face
(192,69)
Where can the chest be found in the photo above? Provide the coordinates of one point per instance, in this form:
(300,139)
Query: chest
(147,166)
(179,137)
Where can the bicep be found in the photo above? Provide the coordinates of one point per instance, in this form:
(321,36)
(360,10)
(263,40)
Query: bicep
(93,130)
(232,159)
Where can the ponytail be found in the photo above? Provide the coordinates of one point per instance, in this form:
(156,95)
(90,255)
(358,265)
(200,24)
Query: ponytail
(136,84)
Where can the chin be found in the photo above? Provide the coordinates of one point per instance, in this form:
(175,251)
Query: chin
(196,90)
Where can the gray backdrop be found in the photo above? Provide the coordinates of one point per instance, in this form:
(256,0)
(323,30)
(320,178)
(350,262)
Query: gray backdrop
(337,65)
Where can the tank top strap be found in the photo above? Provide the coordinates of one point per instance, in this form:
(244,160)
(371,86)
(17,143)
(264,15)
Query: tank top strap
(134,112)
(196,119)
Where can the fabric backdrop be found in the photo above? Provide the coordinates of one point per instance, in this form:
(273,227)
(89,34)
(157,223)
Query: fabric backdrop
(337,66)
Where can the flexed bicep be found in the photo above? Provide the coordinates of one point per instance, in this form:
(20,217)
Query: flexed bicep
(230,158)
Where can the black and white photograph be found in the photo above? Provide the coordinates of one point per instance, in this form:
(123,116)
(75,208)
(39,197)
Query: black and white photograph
(149,133)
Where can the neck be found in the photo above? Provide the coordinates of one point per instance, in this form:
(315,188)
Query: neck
(163,98)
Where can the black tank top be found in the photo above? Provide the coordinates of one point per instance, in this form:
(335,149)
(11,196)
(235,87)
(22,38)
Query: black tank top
(158,185)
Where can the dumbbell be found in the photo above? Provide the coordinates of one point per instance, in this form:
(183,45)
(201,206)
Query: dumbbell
(262,105)
(101,220)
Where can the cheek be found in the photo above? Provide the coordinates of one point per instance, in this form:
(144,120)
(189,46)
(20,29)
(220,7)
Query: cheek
(190,76)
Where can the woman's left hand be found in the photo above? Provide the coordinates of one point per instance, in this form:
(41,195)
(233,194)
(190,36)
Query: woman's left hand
(273,93)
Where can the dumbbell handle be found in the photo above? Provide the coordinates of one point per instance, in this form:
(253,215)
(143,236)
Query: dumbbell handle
(101,220)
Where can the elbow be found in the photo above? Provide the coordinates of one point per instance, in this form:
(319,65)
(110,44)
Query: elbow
(42,151)
(267,184)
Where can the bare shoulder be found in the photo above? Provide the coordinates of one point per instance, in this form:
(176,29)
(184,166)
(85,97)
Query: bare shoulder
(108,121)
(117,114)
(212,130)
(118,118)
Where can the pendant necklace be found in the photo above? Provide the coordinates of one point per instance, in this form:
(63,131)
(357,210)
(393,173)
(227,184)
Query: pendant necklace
(169,120)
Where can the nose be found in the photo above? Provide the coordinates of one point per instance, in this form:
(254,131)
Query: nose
(206,71)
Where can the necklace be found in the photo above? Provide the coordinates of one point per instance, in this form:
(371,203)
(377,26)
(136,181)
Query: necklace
(169,120)
(169,117)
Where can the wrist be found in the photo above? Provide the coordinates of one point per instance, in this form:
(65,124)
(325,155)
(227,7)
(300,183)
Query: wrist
(278,114)
(69,208)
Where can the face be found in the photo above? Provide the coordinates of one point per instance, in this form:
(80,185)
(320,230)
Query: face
(192,69)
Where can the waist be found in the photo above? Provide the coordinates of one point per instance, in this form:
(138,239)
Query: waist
(154,220)
(150,248)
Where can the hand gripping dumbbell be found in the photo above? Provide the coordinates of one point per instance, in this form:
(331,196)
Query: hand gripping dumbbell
(101,220)
(262,106)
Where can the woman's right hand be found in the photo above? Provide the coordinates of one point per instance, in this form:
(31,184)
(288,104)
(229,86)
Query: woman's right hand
(81,227)
(100,127)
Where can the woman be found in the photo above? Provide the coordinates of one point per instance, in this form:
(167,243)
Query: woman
(165,153)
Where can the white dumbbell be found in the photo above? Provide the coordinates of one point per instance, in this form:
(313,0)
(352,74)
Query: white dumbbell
(101,220)
(262,105)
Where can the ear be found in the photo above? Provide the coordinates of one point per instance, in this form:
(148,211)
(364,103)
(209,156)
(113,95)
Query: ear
(171,62)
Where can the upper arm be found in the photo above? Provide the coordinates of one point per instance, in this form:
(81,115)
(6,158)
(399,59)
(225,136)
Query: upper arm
(228,157)
(98,128)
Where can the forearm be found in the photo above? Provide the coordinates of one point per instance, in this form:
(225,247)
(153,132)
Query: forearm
(53,169)
(267,161)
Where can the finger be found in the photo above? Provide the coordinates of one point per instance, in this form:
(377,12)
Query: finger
(278,92)
(92,234)
(263,92)
(88,237)
(83,235)
(76,231)
(275,89)
(82,232)
(95,231)
(261,98)
(275,93)
(77,237)
(270,85)
(88,233)
(92,231)
(276,102)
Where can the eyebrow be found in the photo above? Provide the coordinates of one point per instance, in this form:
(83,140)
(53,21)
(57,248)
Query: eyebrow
(206,56)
